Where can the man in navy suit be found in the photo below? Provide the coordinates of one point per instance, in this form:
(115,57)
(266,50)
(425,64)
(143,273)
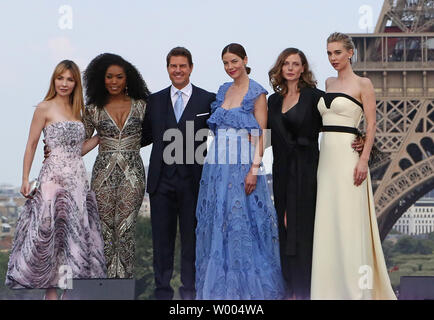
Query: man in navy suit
(173,187)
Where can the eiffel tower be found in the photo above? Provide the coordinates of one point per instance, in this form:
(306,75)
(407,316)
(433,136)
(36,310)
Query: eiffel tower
(399,59)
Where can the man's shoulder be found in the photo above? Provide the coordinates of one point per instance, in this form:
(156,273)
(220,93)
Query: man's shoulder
(161,92)
(204,92)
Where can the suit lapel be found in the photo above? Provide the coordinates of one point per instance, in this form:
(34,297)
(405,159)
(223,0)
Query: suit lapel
(166,111)
(278,121)
(301,112)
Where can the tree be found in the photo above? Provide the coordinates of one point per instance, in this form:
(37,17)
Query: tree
(423,248)
(4,257)
(405,245)
(388,252)
(144,271)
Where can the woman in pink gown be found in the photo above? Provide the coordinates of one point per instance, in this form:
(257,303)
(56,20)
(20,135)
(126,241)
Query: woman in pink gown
(58,235)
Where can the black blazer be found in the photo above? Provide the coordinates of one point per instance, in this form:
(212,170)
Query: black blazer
(295,161)
(159,116)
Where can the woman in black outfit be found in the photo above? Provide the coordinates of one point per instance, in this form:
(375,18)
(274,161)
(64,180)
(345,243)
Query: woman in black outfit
(295,122)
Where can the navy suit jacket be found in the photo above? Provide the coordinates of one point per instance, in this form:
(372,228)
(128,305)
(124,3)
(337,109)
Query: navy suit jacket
(159,117)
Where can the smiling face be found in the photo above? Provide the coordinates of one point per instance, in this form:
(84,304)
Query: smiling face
(234,65)
(115,80)
(179,71)
(339,56)
(292,67)
(64,83)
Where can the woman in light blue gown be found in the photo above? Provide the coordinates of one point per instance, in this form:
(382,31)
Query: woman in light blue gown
(237,245)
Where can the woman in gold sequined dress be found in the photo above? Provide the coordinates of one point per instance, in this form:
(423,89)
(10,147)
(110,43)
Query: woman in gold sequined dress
(116,100)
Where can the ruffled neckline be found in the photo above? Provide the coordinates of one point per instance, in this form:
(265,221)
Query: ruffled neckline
(244,98)
(240,117)
(254,90)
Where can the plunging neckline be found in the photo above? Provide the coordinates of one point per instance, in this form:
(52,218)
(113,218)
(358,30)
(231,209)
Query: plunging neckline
(242,101)
(292,107)
(126,120)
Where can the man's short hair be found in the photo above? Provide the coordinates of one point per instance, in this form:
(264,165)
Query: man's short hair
(179,51)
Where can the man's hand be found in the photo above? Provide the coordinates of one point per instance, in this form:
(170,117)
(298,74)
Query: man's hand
(358,144)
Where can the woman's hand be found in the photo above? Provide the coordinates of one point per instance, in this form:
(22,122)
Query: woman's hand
(360,172)
(47,150)
(250,182)
(25,188)
(90,144)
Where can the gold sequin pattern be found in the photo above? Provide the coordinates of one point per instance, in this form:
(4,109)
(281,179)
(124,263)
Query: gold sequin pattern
(118,180)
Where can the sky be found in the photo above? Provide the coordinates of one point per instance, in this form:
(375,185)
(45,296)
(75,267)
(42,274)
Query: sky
(36,35)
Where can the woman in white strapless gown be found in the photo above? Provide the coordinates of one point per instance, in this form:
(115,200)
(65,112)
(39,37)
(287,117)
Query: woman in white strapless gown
(348,261)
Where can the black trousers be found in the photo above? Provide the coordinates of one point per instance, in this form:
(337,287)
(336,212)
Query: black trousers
(175,198)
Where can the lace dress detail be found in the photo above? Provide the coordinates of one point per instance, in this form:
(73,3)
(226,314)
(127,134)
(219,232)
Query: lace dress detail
(60,225)
(237,245)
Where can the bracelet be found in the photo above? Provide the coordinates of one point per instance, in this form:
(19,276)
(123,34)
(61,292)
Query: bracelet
(256,165)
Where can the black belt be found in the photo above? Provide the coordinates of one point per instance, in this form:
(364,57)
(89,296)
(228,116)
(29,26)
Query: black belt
(340,129)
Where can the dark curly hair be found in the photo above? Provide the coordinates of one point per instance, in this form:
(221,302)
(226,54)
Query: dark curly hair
(96,92)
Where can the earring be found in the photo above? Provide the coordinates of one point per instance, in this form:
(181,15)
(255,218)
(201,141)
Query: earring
(126,90)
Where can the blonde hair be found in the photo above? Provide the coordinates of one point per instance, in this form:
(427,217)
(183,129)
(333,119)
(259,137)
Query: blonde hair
(344,39)
(76,97)
(341,37)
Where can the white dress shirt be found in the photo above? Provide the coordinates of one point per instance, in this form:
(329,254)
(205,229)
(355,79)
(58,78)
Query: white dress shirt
(186,94)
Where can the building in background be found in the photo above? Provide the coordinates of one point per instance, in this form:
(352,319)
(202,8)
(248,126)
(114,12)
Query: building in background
(399,60)
(419,218)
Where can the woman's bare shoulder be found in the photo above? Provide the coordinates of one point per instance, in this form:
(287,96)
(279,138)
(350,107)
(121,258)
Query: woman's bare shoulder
(44,105)
(364,82)
(329,81)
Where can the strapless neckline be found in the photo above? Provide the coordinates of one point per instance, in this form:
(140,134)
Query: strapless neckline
(330,96)
(63,121)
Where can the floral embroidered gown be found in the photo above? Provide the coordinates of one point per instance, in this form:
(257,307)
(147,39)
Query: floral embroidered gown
(60,226)
(237,245)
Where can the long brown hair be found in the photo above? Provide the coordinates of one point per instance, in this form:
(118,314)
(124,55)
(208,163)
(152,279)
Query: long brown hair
(76,97)
(278,82)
